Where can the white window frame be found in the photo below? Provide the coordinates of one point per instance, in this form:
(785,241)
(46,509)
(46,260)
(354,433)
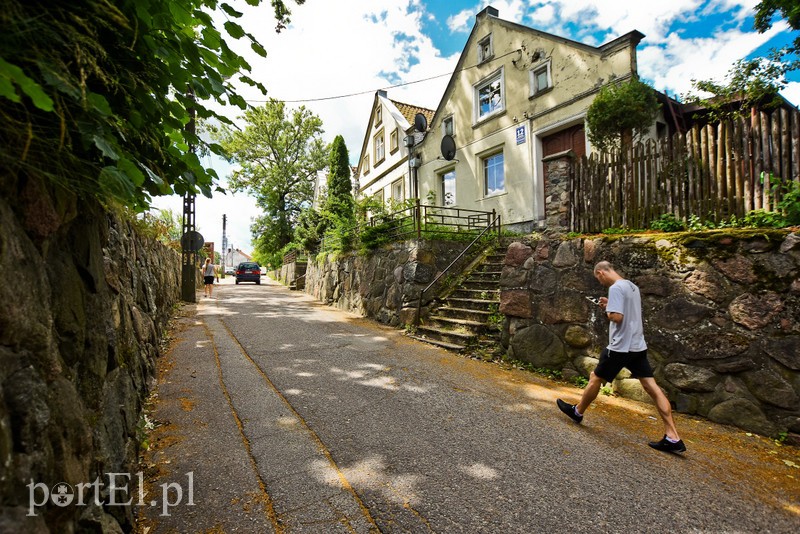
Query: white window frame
(485,175)
(443,189)
(379,147)
(485,49)
(397,190)
(535,89)
(451,130)
(477,88)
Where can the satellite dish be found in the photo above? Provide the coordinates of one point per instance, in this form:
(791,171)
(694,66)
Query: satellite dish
(420,122)
(192,241)
(448,147)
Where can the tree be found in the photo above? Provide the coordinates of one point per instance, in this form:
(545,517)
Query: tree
(279,153)
(749,83)
(620,110)
(789,10)
(97,95)
(340,188)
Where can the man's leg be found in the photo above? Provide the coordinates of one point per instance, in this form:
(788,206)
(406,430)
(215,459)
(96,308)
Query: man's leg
(663,405)
(590,392)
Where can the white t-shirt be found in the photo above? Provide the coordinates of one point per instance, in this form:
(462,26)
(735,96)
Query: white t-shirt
(628,336)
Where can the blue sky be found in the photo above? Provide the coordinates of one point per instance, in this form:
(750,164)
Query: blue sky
(355,47)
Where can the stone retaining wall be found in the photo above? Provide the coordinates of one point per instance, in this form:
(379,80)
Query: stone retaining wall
(83,304)
(721,311)
(385,284)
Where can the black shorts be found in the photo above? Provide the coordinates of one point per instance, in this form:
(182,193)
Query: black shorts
(209,280)
(612,362)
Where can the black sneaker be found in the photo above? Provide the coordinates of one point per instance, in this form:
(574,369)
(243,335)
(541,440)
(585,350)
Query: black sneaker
(569,409)
(668,446)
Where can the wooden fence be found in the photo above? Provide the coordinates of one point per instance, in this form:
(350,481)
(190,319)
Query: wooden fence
(712,172)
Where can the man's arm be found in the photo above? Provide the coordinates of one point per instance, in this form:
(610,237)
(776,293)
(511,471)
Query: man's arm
(615,317)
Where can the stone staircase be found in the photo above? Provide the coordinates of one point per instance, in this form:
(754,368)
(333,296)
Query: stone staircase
(463,321)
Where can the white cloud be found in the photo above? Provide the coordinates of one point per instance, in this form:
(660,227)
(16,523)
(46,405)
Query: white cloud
(792,92)
(461,22)
(672,65)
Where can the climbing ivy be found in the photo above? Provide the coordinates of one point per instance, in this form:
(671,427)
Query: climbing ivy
(97,96)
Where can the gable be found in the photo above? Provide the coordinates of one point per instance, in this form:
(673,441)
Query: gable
(516,50)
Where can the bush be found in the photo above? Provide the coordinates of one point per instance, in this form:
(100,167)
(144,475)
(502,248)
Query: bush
(667,223)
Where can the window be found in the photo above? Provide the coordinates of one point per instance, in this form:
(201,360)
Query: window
(380,148)
(485,51)
(493,174)
(378,115)
(397,191)
(393,141)
(449,188)
(378,196)
(366,164)
(448,127)
(489,96)
(540,78)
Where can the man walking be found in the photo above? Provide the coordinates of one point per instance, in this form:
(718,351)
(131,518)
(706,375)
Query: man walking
(626,348)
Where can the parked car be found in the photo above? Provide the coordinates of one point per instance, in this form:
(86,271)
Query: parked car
(248,271)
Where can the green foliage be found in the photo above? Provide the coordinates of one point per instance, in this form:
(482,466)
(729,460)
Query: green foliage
(667,223)
(98,96)
(749,83)
(620,110)
(495,319)
(763,219)
(789,10)
(580,381)
(340,188)
(164,225)
(278,154)
(790,201)
(607,390)
(621,231)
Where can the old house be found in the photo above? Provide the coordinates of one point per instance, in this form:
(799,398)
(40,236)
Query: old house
(383,171)
(517,97)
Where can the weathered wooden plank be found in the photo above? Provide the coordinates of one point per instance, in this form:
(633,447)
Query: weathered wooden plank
(766,154)
(747,165)
(795,133)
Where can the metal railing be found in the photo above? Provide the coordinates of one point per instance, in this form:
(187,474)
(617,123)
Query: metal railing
(418,221)
(495,223)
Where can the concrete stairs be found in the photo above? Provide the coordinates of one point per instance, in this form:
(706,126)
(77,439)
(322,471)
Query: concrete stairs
(463,321)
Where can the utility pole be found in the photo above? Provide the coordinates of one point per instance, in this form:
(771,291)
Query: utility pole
(189,238)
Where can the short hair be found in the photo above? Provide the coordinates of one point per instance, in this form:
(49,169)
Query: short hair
(603,266)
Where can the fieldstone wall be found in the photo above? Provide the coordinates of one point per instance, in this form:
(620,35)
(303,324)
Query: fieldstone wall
(721,313)
(385,284)
(557,168)
(83,304)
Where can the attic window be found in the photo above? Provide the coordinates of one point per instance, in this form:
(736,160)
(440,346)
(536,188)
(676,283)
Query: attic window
(541,80)
(485,50)
(447,127)
(393,141)
(378,115)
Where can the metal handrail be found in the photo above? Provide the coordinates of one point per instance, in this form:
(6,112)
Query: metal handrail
(419,302)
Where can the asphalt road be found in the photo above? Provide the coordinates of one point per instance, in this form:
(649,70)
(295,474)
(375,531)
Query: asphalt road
(292,416)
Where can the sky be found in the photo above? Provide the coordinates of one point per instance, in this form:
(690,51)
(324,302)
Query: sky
(334,55)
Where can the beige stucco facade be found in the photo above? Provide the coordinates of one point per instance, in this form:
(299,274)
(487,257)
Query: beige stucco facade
(514,86)
(383,170)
